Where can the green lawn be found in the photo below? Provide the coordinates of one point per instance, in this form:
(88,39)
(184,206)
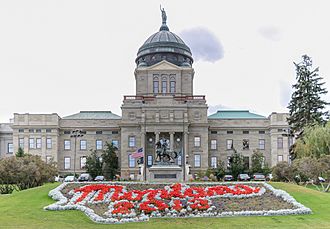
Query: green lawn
(25,210)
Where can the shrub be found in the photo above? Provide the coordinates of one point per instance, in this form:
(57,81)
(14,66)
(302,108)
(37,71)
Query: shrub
(282,172)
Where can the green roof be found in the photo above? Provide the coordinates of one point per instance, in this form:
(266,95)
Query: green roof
(235,114)
(93,115)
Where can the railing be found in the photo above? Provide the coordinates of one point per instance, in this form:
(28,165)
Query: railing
(152,97)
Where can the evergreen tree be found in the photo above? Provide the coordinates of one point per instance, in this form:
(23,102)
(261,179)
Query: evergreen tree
(20,152)
(306,106)
(94,164)
(110,161)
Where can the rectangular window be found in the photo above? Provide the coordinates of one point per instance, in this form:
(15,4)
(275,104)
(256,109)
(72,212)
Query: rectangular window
(246,132)
(38,143)
(149,161)
(21,143)
(131,161)
(261,143)
(83,144)
(131,141)
(246,144)
(21,130)
(99,144)
(67,132)
(172,86)
(67,144)
(279,158)
(31,130)
(214,132)
(261,132)
(197,160)
(38,130)
(99,132)
(230,132)
(230,144)
(115,143)
(48,130)
(164,87)
(82,162)
(49,159)
(180,160)
(114,132)
(279,143)
(214,162)
(156,87)
(10,148)
(49,143)
(197,141)
(246,161)
(31,143)
(67,162)
(213,144)
(279,130)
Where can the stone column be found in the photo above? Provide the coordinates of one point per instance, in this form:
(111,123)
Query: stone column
(157,136)
(172,141)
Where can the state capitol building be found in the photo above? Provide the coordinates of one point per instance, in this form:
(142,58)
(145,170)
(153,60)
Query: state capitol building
(163,107)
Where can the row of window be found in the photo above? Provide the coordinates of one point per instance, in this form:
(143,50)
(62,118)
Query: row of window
(83,144)
(84,132)
(67,162)
(164,86)
(35,130)
(35,143)
(232,132)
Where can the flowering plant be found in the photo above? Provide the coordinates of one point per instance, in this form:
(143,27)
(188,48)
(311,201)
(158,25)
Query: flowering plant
(175,200)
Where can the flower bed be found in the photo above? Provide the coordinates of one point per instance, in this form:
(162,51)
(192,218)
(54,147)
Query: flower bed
(134,202)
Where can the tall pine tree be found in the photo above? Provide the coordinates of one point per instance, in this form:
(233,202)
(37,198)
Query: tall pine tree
(306,106)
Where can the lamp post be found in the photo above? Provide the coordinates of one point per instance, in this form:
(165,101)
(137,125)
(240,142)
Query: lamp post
(75,134)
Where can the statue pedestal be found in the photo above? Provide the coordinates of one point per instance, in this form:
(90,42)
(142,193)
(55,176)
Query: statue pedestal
(165,173)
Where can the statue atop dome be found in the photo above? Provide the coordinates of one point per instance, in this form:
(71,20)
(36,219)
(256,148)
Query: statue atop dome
(164,17)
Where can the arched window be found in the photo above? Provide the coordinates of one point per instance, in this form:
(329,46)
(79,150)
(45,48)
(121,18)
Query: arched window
(156,85)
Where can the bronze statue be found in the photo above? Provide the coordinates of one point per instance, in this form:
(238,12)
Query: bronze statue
(163,154)
(164,17)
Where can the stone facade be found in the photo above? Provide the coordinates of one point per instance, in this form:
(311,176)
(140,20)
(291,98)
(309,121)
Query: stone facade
(164,106)
(6,140)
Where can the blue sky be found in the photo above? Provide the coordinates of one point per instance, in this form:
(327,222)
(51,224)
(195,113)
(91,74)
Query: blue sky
(66,56)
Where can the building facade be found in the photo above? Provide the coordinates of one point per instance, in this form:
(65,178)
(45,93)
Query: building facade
(163,107)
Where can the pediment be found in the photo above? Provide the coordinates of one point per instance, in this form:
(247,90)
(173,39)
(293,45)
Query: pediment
(164,65)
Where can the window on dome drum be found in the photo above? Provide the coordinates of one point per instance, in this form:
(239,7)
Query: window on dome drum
(38,143)
(31,143)
(230,144)
(10,148)
(21,143)
(230,132)
(246,144)
(83,144)
(261,144)
(99,144)
(261,132)
(49,159)
(246,161)
(115,143)
(279,158)
(213,144)
(214,162)
(149,160)
(131,141)
(197,141)
(67,162)
(164,87)
(49,143)
(279,143)
(156,86)
(172,87)
(67,144)
(246,132)
(197,161)
(131,161)
(180,160)
(83,162)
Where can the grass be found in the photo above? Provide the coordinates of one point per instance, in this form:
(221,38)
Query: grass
(25,210)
